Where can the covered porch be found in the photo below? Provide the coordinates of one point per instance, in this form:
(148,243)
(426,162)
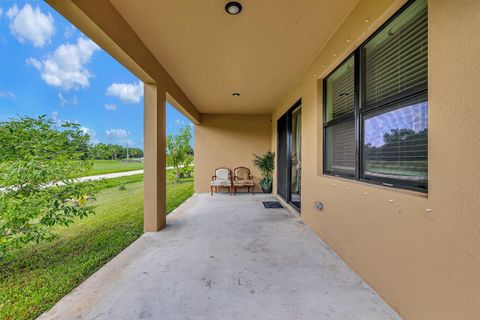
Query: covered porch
(225,257)
(237,77)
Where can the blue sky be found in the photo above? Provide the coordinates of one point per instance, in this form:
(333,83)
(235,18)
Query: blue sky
(49,67)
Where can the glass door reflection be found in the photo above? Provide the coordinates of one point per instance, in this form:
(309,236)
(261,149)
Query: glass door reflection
(296,157)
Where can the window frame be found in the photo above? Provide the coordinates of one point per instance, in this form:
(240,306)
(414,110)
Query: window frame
(361,110)
(341,119)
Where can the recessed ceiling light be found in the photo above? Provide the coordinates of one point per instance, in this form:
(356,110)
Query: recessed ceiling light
(236,94)
(233,8)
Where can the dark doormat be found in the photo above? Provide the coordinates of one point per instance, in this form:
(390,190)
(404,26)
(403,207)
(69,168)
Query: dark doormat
(272,205)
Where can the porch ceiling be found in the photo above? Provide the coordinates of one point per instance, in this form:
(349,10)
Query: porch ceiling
(260,53)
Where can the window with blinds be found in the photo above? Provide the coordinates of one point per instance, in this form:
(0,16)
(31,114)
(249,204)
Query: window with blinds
(396,144)
(396,58)
(340,149)
(381,136)
(340,123)
(340,91)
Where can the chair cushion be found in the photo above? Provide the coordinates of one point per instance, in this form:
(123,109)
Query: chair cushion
(218,183)
(242,173)
(243,182)
(222,174)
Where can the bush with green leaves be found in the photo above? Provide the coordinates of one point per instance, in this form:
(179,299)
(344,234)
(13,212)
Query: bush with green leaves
(265,164)
(180,153)
(38,163)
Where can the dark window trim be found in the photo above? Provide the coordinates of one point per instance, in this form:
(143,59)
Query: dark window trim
(361,109)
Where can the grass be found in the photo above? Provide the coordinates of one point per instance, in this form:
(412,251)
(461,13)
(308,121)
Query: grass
(111,166)
(34,278)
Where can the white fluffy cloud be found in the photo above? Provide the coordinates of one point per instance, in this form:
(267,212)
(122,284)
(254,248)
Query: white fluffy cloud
(126,92)
(66,67)
(91,133)
(117,133)
(69,31)
(7,94)
(35,63)
(31,24)
(56,119)
(65,101)
(110,106)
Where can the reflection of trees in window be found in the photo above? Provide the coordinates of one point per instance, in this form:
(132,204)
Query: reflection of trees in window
(403,153)
(400,145)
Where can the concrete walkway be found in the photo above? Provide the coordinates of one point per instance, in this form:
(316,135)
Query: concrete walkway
(115,175)
(110,175)
(225,257)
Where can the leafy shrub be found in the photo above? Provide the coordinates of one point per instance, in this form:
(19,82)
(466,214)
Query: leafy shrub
(180,153)
(38,164)
(266,164)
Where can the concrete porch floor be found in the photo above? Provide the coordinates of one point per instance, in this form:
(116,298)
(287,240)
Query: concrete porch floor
(225,257)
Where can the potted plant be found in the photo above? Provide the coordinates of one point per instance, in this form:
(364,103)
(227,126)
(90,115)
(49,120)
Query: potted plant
(266,165)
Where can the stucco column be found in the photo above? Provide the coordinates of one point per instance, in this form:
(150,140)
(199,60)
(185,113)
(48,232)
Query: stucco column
(154,158)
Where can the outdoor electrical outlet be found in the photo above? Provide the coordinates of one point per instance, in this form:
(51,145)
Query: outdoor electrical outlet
(318,205)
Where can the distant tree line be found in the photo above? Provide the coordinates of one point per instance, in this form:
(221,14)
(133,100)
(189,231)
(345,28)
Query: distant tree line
(102,151)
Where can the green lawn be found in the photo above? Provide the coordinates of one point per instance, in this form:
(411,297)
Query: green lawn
(33,279)
(111,166)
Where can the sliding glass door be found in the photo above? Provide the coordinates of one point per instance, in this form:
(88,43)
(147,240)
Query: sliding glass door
(289,155)
(296,157)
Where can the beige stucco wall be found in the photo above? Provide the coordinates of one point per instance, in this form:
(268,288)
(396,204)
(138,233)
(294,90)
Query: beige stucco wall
(422,254)
(229,141)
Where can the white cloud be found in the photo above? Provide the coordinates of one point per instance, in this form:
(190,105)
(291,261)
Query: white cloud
(29,24)
(56,119)
(12,12)
(69,31)
(65,101)
(120,136)
(59,122)
(126,92)
(91,133)
(179,122)
(117,133)
(183,123)
(66,66)
(126,142)
(110,106)
(7,94)
(35,63)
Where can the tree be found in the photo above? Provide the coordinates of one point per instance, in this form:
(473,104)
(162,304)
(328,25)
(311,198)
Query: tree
(38,164)
(103,151)
(180,153)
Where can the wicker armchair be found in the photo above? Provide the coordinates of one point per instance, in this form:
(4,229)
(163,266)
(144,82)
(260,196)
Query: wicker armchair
(243,178)
(222,178)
